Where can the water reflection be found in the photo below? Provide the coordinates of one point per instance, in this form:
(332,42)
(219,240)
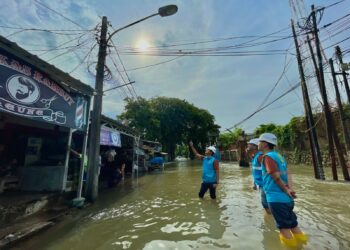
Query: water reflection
(162,211)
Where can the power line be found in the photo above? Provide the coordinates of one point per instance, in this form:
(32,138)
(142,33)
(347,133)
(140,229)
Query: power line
(152,65)
(66,52)
(333,4)
(37,29)
(83,60)
(58,13)
(133,92)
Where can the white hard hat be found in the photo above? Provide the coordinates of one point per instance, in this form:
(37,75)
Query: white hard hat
(268,137)
(212,148)
(254,141)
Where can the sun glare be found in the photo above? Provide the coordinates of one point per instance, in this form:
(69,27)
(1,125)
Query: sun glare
(143,45)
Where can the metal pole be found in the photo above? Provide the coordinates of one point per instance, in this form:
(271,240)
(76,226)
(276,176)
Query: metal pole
(310,124)
(66,162)
(94,143)
(85,140)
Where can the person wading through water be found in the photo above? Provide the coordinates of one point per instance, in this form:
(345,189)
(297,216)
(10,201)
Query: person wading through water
(210,171)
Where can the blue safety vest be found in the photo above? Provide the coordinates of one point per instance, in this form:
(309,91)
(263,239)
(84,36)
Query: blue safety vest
(256,170)
(273,192)
(208,174)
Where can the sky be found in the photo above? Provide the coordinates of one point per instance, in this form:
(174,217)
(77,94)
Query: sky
(231,85)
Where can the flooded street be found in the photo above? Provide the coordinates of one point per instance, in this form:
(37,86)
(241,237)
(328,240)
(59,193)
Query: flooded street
(162,211)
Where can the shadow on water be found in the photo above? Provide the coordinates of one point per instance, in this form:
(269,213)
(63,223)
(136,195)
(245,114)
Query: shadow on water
(161,211)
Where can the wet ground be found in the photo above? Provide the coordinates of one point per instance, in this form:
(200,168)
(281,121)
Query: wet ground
(161,211)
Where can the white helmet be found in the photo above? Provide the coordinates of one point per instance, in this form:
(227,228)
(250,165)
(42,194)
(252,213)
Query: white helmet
(268,137)
(254,141)
(212,148)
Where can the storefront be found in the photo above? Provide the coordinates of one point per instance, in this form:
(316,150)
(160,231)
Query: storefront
(41,108)
(120,138)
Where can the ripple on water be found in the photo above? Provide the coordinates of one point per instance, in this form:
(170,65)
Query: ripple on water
(125,244)
(202,243)
(186,228)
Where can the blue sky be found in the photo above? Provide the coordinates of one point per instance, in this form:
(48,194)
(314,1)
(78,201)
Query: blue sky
(229,87)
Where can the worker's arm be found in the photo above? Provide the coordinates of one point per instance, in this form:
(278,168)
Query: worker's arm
(272,170)
(198,155)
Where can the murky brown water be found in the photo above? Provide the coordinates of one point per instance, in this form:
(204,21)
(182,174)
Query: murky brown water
(162,211)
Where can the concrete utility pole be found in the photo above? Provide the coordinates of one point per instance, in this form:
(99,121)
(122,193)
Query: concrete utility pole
(328,114)
(343,117)
(94,142)
(329,133)
(346,84)
(310,123)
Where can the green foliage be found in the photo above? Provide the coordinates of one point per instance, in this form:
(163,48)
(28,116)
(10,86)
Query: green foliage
(289,135)
(228,138)
(182,150)
(170,120)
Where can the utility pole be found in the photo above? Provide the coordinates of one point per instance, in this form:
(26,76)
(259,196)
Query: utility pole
(310,124)
(94,142)
(329,133)
(94,149)
(340,59)
(340,106)
(328,114)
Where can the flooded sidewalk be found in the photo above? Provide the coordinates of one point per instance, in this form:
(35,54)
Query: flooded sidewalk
(161,211)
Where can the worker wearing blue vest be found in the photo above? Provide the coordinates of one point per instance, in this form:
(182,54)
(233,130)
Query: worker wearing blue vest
(256,157)
(210,171)
(280,196)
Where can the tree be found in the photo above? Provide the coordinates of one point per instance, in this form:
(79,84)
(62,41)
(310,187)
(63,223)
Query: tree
(228,138)
(170,120)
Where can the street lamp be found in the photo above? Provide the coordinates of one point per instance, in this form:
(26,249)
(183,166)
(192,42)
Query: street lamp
(94,141)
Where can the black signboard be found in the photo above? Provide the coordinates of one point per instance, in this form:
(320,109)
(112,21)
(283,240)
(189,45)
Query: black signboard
(28,92)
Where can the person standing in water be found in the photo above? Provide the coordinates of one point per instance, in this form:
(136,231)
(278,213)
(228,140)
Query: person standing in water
(279,195)
(256,156)
(210,171)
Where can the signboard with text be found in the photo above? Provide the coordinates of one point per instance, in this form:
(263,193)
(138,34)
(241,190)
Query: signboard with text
(28,92)
(110,137)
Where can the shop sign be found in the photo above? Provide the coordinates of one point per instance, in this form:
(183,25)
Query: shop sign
(28,92)
(110,137)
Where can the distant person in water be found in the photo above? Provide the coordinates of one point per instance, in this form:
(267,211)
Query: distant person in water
(210,171)
(279,195)
(256,157)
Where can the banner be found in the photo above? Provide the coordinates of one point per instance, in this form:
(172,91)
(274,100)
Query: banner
(110,137)
(28,92)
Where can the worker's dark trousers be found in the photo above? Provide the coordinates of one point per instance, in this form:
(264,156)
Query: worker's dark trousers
(204,189)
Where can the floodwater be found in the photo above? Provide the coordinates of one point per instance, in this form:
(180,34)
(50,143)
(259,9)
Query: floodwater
(161,211)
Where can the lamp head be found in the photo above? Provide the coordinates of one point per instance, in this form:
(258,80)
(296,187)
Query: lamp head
(167,10)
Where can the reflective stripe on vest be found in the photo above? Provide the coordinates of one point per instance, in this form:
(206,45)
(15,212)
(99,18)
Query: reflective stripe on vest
(257,170)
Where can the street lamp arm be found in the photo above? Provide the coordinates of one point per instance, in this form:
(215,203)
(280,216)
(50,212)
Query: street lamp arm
(131,24)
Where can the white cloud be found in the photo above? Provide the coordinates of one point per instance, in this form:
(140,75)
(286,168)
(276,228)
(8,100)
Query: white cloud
(229,87)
